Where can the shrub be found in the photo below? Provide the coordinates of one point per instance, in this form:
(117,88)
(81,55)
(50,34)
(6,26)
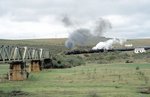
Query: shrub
(60,61)
(144,90)
(129,61)
(93,94)
(74,61)
(137,68)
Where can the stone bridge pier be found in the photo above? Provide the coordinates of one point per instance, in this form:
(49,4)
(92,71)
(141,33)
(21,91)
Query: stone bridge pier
(36,65)
(17,71)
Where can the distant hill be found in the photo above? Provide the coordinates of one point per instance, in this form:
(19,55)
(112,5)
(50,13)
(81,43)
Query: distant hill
(139,42)
(61,41)
(34,42)
(57,44)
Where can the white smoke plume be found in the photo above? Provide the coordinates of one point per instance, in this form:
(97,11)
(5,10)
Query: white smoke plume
(108,44)
(87,35)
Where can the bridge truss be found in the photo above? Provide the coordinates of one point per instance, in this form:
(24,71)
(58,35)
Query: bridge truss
(18,53)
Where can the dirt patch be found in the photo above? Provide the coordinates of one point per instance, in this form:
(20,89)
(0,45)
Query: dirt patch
(144,90)
(1,92)
(13,93)
(18,93)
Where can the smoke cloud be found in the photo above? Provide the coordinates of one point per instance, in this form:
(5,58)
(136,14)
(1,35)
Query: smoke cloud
(87,35)
(67,21)
(108,44)
(101,26)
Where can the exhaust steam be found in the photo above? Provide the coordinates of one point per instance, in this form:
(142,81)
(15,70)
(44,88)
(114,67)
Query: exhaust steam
(90,34)
(108,44)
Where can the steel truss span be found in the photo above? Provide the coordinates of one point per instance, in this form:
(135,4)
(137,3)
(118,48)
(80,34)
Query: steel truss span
(18,53)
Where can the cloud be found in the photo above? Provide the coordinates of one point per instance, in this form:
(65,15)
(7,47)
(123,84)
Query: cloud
(41,18)
(129,26)
(47,27)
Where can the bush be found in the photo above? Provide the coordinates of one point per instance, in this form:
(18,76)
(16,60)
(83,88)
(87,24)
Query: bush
(144,90)
(137,68)
(93,94)
(60,61)
(111,57)
(129,61)
(74,61)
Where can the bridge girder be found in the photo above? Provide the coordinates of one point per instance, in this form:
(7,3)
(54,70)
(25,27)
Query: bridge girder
(18,53)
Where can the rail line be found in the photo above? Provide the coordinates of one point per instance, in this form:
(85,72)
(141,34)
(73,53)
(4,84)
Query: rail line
(135,49)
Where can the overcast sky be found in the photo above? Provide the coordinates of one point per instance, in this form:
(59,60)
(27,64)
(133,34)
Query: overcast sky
(21,19)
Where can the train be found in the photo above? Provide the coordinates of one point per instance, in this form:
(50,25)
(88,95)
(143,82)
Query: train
(136,49)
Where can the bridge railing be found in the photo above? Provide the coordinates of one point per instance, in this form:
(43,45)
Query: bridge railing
(17,53)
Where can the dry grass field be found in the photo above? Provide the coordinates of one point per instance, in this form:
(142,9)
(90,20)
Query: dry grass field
(139,42)
(61,41)
(30,42)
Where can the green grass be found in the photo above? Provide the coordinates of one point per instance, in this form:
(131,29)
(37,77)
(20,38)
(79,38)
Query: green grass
(91,80)
(3,68)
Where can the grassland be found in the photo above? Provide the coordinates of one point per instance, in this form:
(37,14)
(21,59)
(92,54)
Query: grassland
(91,80)
(30,42)
(104,75)
(139,42)
(52,44)
(59,43)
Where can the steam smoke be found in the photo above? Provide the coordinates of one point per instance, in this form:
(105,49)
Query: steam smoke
(108,44)
(79,37)
(83,36)
(67,21)
(90,34)
(101,26)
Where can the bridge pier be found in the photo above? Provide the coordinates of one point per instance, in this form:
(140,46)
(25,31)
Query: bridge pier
(18,71)
(36,65)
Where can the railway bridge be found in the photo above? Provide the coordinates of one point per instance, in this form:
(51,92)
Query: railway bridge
(18,57)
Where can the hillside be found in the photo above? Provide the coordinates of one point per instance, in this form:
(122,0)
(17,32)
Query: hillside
(52,44)
(139,42)
(61,41)
(31,42)
(58,43)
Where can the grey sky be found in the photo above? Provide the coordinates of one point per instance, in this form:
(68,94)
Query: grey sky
(42,18)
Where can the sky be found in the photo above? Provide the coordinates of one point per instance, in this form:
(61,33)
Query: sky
(27,19)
